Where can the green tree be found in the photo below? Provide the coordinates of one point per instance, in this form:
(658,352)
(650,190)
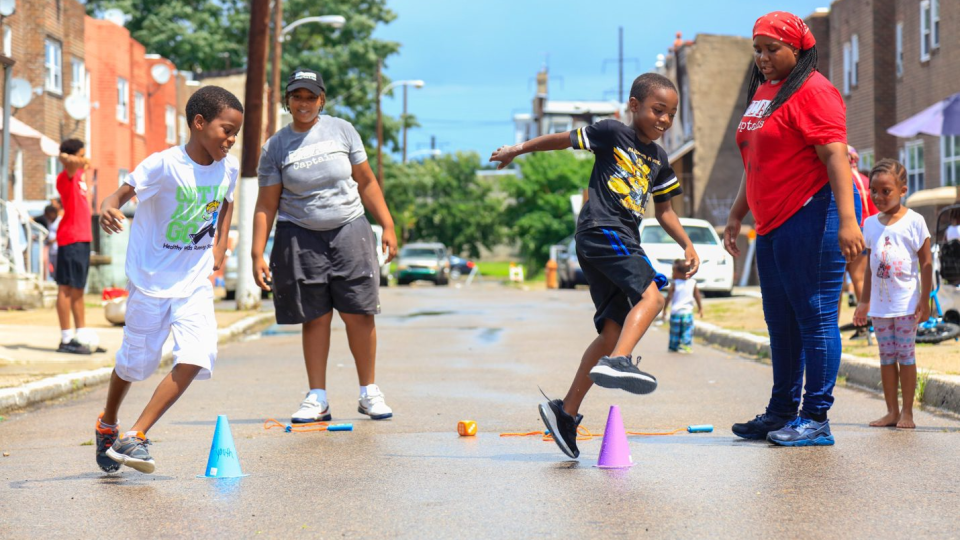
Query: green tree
(454,206)
(196,35)
(539,213)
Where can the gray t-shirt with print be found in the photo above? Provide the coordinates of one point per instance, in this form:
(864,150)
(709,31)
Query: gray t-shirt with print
(315,168)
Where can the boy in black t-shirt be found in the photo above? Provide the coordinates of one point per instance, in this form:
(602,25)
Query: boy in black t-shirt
(625,289)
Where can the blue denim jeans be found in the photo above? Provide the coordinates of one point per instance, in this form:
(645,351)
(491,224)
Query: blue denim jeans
(801,273)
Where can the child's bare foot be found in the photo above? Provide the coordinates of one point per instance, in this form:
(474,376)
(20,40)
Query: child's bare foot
(891,419)
(906,421)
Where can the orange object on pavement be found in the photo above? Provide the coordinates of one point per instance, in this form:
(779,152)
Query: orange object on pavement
(467,428)
(551,275)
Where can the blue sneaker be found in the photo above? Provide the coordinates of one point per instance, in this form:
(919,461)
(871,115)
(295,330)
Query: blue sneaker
(803,432)
(758,428)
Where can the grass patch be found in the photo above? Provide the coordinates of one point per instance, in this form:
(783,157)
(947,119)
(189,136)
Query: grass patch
(922,378)
(495,269)
(87,443)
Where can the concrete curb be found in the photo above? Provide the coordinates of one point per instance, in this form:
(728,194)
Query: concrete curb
(60,385)
(941,392)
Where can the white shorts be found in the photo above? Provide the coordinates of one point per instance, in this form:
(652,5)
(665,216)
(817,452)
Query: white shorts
(150,320)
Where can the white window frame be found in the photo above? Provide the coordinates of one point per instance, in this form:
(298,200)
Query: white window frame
(911,155)
(139,113)
(7,41)
(855,60)
(847,61)
(53,66)
(867,159)
(52,169)
(78,79)
(123,100)
(926,38)
(170,117)
(182,128)
(950,165)
(899,40)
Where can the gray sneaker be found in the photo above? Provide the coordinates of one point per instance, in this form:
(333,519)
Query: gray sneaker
(105,438)
(803,432)
(132,452)
(620,372)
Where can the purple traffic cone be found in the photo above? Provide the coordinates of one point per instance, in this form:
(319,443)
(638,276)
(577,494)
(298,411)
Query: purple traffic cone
(615,451)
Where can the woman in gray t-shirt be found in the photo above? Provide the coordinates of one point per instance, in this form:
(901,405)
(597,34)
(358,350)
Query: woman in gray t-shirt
(315,179)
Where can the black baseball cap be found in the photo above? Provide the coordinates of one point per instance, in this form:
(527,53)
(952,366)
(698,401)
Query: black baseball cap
(306,78)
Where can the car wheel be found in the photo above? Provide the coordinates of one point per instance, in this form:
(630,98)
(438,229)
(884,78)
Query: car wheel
(725,294)
(231,295)
(403,282)
(455,274)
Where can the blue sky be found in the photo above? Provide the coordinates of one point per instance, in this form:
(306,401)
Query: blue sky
(479,59)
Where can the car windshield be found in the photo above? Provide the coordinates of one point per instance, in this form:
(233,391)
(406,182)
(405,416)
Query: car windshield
(654,234)
(418,253)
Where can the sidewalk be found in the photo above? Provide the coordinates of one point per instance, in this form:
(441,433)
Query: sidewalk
(29,339)
(737,323)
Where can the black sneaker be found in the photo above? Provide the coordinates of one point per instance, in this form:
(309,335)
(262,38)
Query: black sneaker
(132,452)
(74,347)
(562,426)
(620,372)
(105,438)
(759,427)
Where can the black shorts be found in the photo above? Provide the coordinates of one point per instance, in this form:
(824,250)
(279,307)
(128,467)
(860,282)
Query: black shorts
(617,271)
(73,265)
(315,272)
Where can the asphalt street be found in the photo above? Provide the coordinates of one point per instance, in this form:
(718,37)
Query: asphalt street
(448,354)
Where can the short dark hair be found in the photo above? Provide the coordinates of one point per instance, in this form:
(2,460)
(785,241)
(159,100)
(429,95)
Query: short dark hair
(50,209)
(680,265)
(645,84)
(209,102)
(71,146)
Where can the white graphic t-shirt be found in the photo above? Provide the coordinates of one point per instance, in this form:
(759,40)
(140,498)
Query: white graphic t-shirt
(170,253)
(894,265)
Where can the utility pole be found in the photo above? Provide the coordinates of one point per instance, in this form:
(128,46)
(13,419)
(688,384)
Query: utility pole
(433,142)
(404,123)
(379,124)
(274,91)
(5,151)
(248,294)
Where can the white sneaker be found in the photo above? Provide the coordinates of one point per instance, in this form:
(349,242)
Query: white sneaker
(311,410)
(374,406)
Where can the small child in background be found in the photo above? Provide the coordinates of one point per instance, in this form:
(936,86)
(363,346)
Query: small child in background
(898,246)
(679,304)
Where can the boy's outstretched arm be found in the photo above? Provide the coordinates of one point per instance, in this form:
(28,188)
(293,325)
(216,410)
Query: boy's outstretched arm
(553,141)
(671,223)
(221,239)
(111,218)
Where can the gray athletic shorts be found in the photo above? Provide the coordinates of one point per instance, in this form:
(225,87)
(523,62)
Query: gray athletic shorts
(315,272)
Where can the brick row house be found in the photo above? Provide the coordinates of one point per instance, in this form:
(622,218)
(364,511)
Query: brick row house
(46,39)
(891,60)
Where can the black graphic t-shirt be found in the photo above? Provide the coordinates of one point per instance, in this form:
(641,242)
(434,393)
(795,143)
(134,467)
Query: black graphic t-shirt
(625,173)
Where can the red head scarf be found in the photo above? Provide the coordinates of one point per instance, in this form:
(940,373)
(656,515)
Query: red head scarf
(785,27)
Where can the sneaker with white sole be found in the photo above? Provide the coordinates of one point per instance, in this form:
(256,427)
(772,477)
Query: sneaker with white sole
(620,372)
(311,410)
(374,405)
(132,452)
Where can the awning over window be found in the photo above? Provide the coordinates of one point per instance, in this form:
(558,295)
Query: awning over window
(23,131)
(941,118)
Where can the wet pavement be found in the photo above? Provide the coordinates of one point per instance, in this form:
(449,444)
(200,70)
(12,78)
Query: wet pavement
(450,354)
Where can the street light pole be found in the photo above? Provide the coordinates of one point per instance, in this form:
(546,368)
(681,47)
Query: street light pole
(416,84)
(335,21)
(404,119)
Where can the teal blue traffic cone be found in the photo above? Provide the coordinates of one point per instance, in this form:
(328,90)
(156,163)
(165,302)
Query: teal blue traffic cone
(223,461)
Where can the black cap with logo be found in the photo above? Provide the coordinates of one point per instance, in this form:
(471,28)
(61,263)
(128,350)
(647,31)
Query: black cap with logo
(307,79)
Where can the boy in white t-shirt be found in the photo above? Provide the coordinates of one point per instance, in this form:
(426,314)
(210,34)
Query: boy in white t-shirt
(896,290)
(679,304)
(178,238)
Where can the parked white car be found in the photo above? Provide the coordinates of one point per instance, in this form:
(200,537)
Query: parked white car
(716,265)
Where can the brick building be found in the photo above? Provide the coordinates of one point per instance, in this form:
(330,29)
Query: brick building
(711,73)
(891,60)
(46,39)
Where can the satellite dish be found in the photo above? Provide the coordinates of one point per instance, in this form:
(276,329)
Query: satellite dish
(78,106)
(20,93)
(7,7)
(115,16)
(160,73)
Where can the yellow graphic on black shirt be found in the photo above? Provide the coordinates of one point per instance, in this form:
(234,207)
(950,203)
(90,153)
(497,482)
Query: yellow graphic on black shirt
(631,181)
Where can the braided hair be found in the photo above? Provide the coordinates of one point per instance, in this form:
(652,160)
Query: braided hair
(892,167)
(806,65)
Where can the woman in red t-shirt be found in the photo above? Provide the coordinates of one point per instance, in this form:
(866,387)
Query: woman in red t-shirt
(797,182)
